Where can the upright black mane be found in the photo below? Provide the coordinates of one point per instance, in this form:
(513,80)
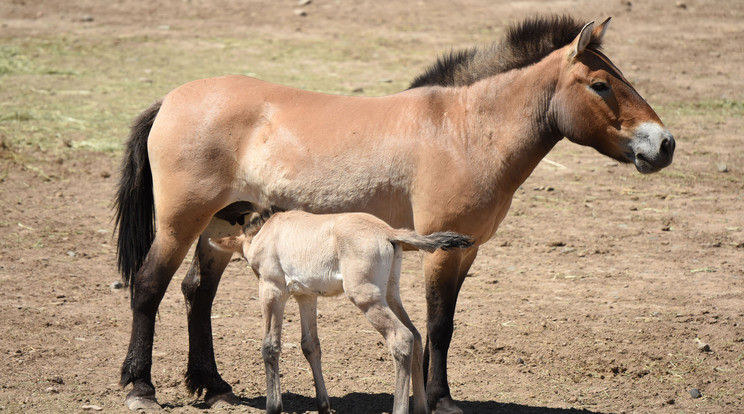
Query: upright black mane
(525,43)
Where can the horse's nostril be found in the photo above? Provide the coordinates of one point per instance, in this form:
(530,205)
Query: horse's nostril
(667,146)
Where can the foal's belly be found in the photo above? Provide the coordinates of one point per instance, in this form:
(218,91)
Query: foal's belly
(315,285)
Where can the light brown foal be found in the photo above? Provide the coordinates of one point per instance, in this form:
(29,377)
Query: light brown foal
(447,154)
(307,255)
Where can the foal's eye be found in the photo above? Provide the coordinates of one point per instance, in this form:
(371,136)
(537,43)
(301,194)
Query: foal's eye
(600,87)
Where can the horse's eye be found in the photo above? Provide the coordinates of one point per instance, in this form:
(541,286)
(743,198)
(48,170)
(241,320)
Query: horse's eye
(600,87)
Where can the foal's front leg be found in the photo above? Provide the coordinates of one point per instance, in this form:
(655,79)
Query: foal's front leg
(311,348)
(273,298)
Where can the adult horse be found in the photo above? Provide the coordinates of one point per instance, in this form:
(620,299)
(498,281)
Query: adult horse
(447,154)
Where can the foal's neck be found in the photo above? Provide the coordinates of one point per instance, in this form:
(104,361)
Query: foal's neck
(509,120)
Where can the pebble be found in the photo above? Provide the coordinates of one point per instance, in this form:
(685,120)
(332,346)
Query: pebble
(304,2)
(695,393)
(92,408)
(520,361)
(51,390)
(702,346)
(300,12)
(117,285)
(722,167)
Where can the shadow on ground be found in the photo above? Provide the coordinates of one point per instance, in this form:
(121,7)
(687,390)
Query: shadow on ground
(360,403)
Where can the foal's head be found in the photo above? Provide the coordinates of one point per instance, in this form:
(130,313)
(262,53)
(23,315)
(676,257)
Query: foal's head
(595,105)
(242,242)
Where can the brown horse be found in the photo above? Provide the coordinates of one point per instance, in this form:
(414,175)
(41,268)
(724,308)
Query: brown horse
(445,155)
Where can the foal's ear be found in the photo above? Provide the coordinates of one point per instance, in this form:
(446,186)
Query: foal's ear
(230,244)
(580,42)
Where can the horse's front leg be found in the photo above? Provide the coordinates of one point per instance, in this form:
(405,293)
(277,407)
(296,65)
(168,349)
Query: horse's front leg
(445,272)
(199,288)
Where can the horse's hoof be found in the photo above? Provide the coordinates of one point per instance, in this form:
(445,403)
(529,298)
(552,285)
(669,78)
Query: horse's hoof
(446,406)
(137,403)
(227,398)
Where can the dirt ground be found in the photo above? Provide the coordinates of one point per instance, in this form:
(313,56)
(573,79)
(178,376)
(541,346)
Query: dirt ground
(595,295)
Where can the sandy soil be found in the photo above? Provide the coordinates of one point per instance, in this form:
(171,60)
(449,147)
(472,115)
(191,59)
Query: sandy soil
(593,297)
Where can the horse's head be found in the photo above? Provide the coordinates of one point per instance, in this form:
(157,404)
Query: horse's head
(595,105)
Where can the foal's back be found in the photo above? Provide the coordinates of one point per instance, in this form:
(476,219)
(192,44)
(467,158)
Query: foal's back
(312,251)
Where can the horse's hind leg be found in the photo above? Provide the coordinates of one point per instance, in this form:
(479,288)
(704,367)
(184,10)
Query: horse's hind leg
(199,288)
(149,286)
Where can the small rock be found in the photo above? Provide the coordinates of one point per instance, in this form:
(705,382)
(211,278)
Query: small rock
(681,5)
(87,19)
(304,2)
(105,174)
(71,253)
(57,380)
(117,285)
(51,390)
(520,361)
(722,167)
(695,393)
(670,401)
(92,408)
(702,346)
(300,12)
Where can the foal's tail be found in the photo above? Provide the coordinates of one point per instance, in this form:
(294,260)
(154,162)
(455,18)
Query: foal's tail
(445,240)
(134,204)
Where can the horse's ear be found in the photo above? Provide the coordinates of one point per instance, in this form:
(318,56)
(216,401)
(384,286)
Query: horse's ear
(582,40)
(230,244)
(599,32)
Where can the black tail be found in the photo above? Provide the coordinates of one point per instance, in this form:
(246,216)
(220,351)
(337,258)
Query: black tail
(445,240)
(135,208)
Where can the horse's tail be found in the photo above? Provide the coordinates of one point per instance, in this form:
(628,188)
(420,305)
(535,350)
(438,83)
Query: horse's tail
(134,203)
(444,240)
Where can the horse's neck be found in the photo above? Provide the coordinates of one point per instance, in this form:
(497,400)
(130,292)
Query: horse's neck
(509,123)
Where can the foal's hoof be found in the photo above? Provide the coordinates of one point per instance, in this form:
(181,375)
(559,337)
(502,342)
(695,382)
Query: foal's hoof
(137,403)
(446,406)
(227,398)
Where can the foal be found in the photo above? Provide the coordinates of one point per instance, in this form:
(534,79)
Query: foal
(306,255)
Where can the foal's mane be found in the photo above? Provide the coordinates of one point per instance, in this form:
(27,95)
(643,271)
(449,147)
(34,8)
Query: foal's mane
(258,220)
(525,43)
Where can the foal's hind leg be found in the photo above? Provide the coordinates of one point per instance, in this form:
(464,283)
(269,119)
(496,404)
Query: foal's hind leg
(370,298)
(149,286)
(417,372)
(199,288)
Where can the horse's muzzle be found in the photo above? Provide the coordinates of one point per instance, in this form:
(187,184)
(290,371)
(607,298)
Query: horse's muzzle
(653,148)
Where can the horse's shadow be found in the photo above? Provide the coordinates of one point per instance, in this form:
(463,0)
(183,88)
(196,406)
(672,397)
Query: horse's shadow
(362,403)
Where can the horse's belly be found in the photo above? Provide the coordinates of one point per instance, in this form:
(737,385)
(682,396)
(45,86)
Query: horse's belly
(330,189)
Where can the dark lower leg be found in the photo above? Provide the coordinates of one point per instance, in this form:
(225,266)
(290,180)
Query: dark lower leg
(150,285)
(199,288)
(445,273)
